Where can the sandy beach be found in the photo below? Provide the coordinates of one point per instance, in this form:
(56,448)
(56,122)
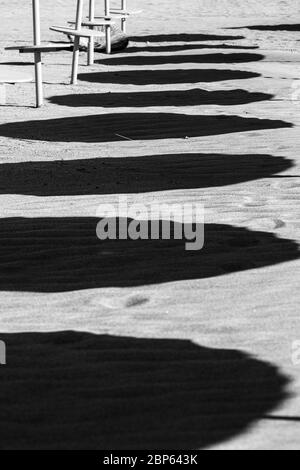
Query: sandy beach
(140,344)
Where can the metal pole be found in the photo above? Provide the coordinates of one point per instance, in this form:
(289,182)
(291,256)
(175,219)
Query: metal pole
(108,27)
(107,7)
(77,42)
(91,53)
(123,21)
(37,55)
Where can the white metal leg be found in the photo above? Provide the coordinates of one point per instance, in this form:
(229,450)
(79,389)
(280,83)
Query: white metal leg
(123,20)
(37,55)
(91,51)
(108,39)
(107,7)
(38,79)
(108,28)
(75,63)
(77,43)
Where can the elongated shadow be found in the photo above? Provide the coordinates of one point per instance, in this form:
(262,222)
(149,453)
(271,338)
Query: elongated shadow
(78,391)
(217,58)
(166,77)
(65,254)
(181,37)
(187,47)
(134,126)
(17,64)
(136,175)
(276,27)
(144,99)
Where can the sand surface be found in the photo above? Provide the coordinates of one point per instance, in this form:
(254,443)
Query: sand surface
(141,345)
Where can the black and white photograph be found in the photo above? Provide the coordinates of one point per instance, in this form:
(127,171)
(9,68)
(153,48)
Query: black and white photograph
(149,228)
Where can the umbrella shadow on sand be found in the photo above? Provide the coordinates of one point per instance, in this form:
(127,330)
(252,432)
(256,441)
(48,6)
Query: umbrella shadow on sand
(276,27)
(196,97)
(181,37)
(65,254)
(166,77)
(185,47)
(217,58)
(72,390)
(134,126)
(136,174)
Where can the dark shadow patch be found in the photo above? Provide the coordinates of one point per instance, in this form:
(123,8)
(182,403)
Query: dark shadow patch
(136,301)
(181,37)
(166,77)
(78,391)
(295,419)
(134,126)
(144,99)
(18,64)
(186,47)
(217,58)
(276,27)
(136,174)
(64,254)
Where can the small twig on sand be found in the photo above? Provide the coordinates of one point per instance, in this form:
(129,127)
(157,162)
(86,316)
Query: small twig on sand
(123,137)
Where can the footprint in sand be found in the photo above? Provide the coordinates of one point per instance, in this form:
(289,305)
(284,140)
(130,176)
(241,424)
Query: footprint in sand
(115,302)
(279,224)
(266,224)
(136,301)
(253,202)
